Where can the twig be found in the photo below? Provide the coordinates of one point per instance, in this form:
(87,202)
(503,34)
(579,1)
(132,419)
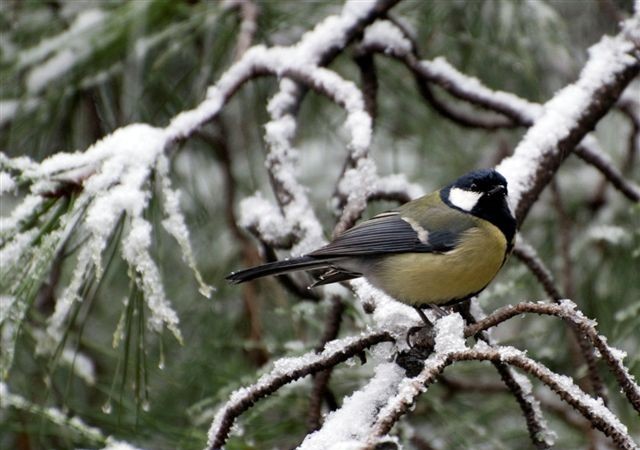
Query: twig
(590,155)
(248,24)
(593,410)
(399,196)
(527,254)
(294,369)
(536,425)
(459,385)
(565,233)
(250,257)
(517,110)
(566,310)
(565,238)
(369,81)
(321,379)
(283,108)
(630,107)
(462,118)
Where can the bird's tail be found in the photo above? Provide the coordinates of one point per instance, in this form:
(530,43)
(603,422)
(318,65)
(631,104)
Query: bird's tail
(278,268)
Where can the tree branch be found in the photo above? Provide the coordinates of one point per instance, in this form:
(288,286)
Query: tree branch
(286,371)
(567,311)
(593,410)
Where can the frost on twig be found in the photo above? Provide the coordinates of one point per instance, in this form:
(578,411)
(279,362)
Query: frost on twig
(107,189)
(610,68)
(592,409)
(390,40)
(570,115)
(285,371)
(70,424)
(567,310)
(113,178)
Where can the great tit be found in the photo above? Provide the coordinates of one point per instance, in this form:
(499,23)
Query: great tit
(439,249)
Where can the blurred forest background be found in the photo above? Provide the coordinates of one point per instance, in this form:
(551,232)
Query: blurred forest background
(121,62)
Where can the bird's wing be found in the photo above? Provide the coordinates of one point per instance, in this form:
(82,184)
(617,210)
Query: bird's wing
(436,230)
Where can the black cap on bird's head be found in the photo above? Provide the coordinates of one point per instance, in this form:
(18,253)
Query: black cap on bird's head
(484,181)
(482,193)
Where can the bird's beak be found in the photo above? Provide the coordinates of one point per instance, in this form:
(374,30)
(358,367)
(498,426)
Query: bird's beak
(500,189)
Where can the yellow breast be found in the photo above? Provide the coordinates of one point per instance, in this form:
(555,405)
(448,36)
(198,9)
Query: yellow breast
(437,278)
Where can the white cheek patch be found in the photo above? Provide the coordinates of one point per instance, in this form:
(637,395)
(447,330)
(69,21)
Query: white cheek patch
(463,199)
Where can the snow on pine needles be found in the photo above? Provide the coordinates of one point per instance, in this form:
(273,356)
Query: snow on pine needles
(117,176)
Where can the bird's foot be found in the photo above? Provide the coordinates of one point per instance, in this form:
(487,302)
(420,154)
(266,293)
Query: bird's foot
(425,337)
(412,360)
(421,341)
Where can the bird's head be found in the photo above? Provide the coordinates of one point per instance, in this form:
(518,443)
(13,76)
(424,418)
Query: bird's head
(482,193)
(477,190)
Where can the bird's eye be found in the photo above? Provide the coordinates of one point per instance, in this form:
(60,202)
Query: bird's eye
(474,187)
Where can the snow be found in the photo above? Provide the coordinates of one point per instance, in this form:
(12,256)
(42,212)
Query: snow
(53,68)
(330,33)
(559,115)
(257,212)
(65,301)
(570,309)
(187,121)
(87,20)
(552,121)
(441,69)
(11,252)
(20,214)
(611,234)
(13,316)
(7,183)
(136,252)
(115,173)
(450,334)
(175,224)
(357,183)
(20,163)
(352,422)
(118,168)
(54,415)
(548,436)
(385,34)
(388,314)
(449,340)
(397,183)
(113,444)
(284,367)
(66,49)
(595,406)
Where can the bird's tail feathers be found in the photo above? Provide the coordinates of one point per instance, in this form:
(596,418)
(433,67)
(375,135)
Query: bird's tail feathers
(278,268)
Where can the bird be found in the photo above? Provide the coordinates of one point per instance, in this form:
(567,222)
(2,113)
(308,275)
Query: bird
(434,251)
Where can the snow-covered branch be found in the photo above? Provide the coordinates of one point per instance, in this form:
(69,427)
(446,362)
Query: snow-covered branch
(592,409)
(594,87)
(286,370)
(567,310)
(94,203)
(595,84)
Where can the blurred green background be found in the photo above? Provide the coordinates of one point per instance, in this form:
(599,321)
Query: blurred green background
(122,62)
